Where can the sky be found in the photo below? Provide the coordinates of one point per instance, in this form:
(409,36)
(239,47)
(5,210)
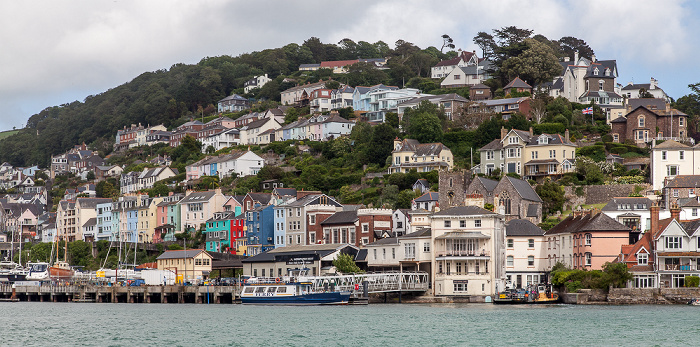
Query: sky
(56,52)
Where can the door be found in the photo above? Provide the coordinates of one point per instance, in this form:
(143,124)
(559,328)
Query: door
(519,281)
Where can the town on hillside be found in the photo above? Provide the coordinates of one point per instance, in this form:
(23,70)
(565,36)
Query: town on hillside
(492,180)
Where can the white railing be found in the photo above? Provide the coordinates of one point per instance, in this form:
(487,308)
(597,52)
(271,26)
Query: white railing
(377,282)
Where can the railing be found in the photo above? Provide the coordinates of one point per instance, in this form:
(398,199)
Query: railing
(463,273)
(463,253)
(376,282)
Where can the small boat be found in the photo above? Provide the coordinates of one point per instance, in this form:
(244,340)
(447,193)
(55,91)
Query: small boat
(38,272)
(61,270)
(539,294)
(694,302)
(289,290)
(11,272)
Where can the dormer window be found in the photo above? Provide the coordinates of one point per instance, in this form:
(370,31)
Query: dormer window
(607,72)
(513,140)
(642,259)
(542,140)
(596,71)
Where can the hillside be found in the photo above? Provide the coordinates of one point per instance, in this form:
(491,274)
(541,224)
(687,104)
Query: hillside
(8,133)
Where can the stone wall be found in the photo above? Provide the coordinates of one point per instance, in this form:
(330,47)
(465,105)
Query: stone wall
(652,295)
(600,194)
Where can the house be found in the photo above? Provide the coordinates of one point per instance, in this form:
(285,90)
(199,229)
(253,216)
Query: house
(296,95)
(198,207)
(583,80)
(279,261)
(411,252)
(468,250)
(444,67)
(670,159)
(518,200)
(345,223)
(452,104)
(422,185)
(526,253)
(250,134)
(341,97)
(190,128)
(259,226)
(255,82)
(681,190)
(517,85)
(375,224)
(632,212)
(632,90)
(479,92)
(533,157)
(192,265)
(320,100)
(506,107)
(466,76)
(239,163)
(221,140)
(251,199)
(382,101)
(643,124)
(586,240)
(301,219)
(427,201)
(233,103)
(409,154)
(400,222)
(223,230)
(361,99)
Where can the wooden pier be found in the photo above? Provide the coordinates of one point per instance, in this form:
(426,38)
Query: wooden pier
(121,294)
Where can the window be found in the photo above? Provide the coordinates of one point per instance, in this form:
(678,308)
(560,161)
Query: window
(530,243)
(642,259)
(457,76)
(534,155)
(447,224)
(681,155)
(530,260)
(513,140)
(312,219)
(489,155)
(588,239)
(671,170)
(588,259)
(509,260)
(674,242)
(410,250)
(462,224)
(460,286)
(375,253)
(510,243)
(426,247)
(681,121)
(477,223)
(675,193)
(664,155)
(393,253)
(641,121)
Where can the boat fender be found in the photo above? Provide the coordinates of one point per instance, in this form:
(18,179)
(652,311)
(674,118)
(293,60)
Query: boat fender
(277,280)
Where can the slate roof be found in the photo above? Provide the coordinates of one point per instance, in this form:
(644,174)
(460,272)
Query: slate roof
(198,197)
(262,198)
(523,227)
(684,181)
(463,211)
(553,139)
(507,101)
(489,184)
(480,86)
(586,222)
(342,217)
(670,144)
(190,253)
(524,189)
(649,103)
(90,222)
(321,249)
(634,202)
(517,83)
(420,149)
(422,232)
(428,196)
(92,202)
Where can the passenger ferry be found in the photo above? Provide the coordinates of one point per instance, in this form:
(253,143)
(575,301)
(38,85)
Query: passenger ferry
(533,294)
(290,290)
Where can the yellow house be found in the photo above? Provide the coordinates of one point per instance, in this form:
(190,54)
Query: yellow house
(190,265)
(147,220)
(424,157)
(548,155)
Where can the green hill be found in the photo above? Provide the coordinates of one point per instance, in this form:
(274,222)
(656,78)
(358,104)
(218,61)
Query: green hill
(8,133)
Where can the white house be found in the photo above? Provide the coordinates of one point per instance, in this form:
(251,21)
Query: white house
(526,258)
(249,133)
(670,159)
(227,138)
(255,82)
(240,162)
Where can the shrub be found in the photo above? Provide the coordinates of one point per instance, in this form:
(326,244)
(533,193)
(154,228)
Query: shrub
(692,281)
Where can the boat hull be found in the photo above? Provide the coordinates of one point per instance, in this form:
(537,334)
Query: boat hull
(12,277)
(60,273)
(333,298)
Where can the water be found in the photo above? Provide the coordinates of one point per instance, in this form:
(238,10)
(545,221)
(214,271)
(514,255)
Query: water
(75,324)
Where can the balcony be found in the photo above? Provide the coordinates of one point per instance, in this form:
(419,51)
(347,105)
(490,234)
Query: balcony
(463,253)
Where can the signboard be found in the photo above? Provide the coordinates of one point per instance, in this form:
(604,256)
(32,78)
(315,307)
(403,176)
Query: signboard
(301,259)
(100,274)
(460,281)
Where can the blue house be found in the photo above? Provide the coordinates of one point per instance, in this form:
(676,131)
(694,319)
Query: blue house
(280,233)
(260,229)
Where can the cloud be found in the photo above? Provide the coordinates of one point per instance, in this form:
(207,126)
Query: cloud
(57,52)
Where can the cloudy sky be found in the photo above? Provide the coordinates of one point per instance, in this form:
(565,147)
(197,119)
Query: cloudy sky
(56,52)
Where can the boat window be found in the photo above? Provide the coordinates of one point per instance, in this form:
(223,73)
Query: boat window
(260,290)
(281,289)
(271,289)
(249,290)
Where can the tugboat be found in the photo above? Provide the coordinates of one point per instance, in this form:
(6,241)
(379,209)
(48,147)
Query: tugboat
(289,290)
(533,294)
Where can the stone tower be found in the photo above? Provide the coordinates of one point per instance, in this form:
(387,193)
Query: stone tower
(453,188)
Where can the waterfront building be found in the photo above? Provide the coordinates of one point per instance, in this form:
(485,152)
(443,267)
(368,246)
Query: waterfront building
(104,221)
(407,253)
(198,207)
(279,261)
(260,229)
(192,265)
(526,256)
(222,231)
(468,250)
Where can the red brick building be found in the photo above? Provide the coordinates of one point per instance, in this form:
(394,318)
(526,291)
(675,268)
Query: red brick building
(643,124)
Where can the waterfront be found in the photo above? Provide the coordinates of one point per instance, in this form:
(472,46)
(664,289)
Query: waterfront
(75,324)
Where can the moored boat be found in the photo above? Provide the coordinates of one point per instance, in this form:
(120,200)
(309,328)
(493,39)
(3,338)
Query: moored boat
(61,270)
(539,294)
(289,291)
(694,302)
(11,272)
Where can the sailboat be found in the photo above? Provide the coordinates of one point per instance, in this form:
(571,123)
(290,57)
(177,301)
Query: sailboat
(61,270)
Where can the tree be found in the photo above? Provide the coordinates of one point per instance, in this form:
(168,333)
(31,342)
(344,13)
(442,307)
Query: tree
(569,45)
(537,64)
(159,189)
(447,42)
(645,94)
(425,127)
(382,143)
(486,42)
(538,109)
(345,263)
(616,274)
(508,36)
(552,196)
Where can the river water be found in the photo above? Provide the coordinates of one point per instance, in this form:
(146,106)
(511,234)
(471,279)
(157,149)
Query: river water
(76,324)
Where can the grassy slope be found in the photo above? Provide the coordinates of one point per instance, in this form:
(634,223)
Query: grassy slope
(7,133)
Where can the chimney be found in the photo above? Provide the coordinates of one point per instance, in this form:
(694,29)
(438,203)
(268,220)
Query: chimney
(593,58)
(567,59)
(504,132)
(532,133)
(396,142)
(675,212)
(654,214)
(652,84)
(566,135)
(576,57)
